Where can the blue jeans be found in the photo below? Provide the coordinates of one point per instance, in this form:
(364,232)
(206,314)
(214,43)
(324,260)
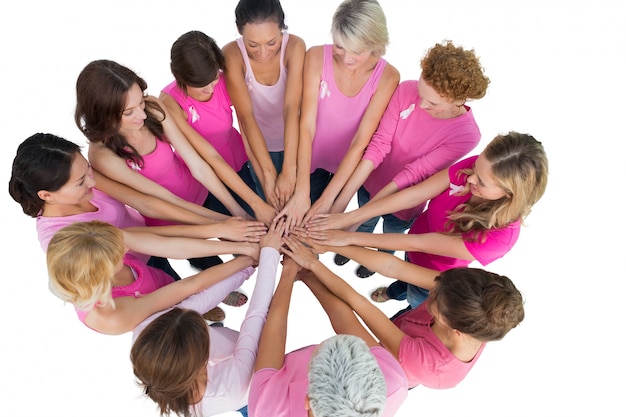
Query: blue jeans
(244,411)
(277,159)
(400,290)
(391,224)
(245,173)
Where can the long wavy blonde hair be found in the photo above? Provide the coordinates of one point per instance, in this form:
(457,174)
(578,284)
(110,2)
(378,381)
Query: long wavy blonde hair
(519,166)
(82,259)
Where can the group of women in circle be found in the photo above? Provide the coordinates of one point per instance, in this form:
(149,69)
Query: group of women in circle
(172,177)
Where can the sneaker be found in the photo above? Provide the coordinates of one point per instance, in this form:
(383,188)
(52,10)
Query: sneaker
(341,260)
(363,272)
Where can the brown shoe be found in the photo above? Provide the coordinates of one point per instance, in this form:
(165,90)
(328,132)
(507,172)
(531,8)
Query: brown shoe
(379,295)
(215,314)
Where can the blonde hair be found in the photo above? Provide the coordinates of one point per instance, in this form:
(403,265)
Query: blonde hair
(82,259)
(360,25)
(520,167)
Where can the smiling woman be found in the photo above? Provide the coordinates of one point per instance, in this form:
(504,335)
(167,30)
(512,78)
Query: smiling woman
(543,61)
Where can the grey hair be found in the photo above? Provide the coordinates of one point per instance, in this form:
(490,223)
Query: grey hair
(345,379)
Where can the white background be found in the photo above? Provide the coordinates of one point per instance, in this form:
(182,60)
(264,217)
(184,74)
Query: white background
(557,73)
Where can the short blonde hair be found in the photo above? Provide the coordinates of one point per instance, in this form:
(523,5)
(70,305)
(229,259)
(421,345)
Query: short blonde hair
(360,25)
(81,259)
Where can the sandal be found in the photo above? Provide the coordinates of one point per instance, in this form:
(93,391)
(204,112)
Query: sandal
(235,299)
(215,314)
(379,295)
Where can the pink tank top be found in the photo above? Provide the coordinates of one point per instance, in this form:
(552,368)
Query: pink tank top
(268,100)
(108,210)
(166,167)
(338,116)
(213,120)
(147,280)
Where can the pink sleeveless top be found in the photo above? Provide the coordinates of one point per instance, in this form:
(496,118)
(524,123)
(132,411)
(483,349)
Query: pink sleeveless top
(213,120)
(268,100)
(165,167)
(108,210)
(147,280)
(338,116)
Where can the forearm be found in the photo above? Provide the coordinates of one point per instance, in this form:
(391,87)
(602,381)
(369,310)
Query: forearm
(389,265)
(357,179)
(273,341)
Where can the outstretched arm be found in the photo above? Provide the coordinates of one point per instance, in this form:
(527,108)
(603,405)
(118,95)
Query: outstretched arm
(235,229)
(130,311)
(263,211)
(382,328)
(294,63)
(273,340)
(340,314)
(183,247)
(108,164)
(404,199)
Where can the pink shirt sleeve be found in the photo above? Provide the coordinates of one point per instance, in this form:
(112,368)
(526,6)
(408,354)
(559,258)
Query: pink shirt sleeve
(497,243)
(204,300)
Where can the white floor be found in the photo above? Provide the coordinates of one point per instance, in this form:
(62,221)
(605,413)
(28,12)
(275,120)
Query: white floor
(557,73)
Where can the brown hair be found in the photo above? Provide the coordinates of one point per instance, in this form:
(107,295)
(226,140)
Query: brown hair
(455,73)
(101,91)
(170,358)
(481,304)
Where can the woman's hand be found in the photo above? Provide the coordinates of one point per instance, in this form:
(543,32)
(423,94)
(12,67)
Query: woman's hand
(328,237)
(294,210)
(297,251)
(239,230)
(331,221)
(273,237)
(285,187)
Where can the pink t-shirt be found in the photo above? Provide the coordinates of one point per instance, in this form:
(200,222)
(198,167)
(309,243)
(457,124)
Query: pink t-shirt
(424,358)
(497,241)
(213,120)
(268,101)
(108,210)
(147,279)
(338,116)
(165,167)
(281,392)
(410,145)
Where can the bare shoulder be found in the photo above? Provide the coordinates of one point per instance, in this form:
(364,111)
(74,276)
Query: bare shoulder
(231,51)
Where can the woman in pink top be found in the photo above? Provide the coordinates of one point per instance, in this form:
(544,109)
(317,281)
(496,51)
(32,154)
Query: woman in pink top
(475,211)
(347,374)
(439,342)
(426,128)
(188,368)
(199,103)
(347,86)
(54,183)
(133,140)
(264,79)
(88,267)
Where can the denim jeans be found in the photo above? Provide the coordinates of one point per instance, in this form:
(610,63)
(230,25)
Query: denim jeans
(212,203)
(391,224)
(244,411)
(277,159)
(400,290)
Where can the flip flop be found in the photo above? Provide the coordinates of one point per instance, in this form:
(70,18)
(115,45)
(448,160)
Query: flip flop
(235,299)
(215,314)
(379,295)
